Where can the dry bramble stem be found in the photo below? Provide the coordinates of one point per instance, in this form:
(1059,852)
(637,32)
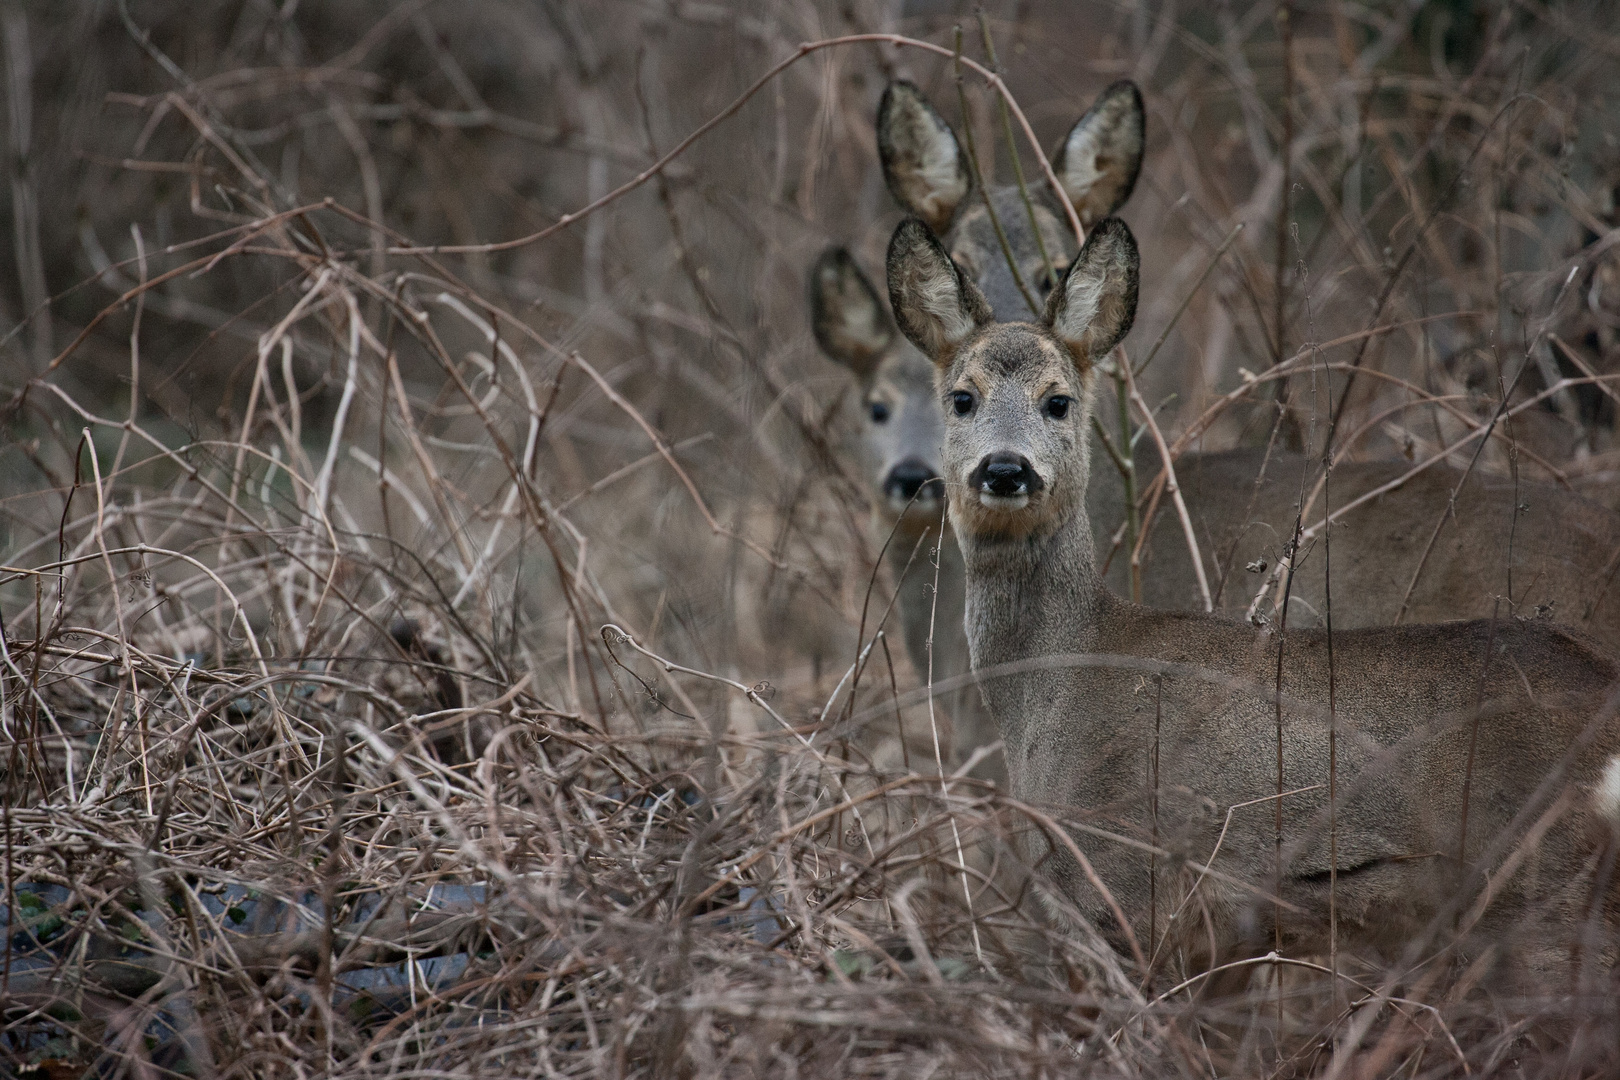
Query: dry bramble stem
(991,78)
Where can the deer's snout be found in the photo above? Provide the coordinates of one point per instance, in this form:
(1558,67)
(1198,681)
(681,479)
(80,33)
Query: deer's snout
(913,478)
(1004,478)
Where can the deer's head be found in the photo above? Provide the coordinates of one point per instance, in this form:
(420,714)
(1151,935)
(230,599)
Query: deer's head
(1015,396)
(900,423)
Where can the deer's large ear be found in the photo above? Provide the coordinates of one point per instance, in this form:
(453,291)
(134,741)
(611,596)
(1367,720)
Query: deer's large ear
(936,305)
(1101,155)
(922,162)
(849,321)
(1094,305)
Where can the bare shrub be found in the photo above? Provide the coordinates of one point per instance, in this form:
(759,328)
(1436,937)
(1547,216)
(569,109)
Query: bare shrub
(441,632)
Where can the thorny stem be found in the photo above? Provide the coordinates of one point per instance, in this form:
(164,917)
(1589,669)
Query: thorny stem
(1501,415)
(1285,29)
(939,761)
(1108,444)
(1124,459)
(859,666)
(984,189)
(1282,649)
(1209,268)
(1170,485)
(742,99)
(894,696)
(1012,149)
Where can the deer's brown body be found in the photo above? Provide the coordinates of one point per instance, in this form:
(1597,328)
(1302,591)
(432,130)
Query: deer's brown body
(1555,552)
(1155,726)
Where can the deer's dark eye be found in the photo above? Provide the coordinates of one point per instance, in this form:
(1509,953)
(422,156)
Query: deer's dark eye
(1057,406)
(879,411)
(962,402)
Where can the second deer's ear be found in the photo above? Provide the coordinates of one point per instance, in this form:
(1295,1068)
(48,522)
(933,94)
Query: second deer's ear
(848,317)
(922,162)
(1094,305)
(936,305)
(1101,155)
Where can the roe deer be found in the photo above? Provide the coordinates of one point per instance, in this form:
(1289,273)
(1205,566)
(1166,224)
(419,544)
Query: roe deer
(1557,550)
(1165,727)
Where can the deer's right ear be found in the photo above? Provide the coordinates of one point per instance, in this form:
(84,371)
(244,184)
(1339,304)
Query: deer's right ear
(936,305)
(922,162)
(1101,156)
(848,318)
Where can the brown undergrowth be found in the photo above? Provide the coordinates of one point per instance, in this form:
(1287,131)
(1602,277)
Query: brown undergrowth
(429,654)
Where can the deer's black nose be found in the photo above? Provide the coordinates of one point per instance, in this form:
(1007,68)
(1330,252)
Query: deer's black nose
(912,476)
(1006,475)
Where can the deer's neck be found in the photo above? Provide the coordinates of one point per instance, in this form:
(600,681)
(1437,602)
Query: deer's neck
(1027,598)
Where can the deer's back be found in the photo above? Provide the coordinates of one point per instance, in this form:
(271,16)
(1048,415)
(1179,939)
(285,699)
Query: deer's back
(1557,545)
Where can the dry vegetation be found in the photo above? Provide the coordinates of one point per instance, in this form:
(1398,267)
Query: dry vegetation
(442,638)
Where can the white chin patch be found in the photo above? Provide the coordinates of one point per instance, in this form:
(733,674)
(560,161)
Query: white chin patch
(1003,503)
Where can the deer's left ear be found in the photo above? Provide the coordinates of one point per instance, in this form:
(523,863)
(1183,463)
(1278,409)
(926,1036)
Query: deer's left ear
(1094,305)
(1101,156)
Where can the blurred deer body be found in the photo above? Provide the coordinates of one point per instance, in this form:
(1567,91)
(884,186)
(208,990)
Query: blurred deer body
(1523,549)
(1167,727)
(901,432)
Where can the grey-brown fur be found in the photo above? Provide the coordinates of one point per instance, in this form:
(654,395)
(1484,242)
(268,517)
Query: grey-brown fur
(927,171)
(976,248)
(1079,682)
(1560,544)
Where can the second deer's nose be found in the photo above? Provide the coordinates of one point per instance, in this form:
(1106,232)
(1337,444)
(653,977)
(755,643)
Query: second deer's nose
(912,476)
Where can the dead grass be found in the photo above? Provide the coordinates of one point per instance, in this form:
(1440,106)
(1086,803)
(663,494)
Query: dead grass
(425,664)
